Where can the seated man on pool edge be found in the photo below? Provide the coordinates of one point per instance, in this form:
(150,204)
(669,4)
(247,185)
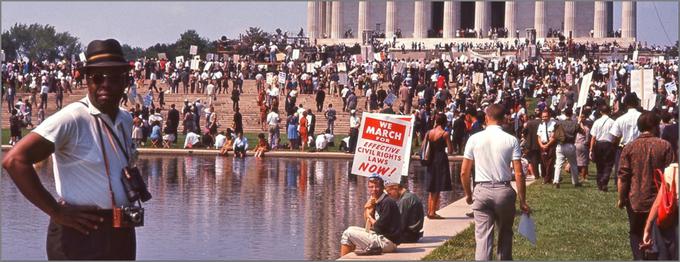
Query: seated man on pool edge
(411,210)
(383,223)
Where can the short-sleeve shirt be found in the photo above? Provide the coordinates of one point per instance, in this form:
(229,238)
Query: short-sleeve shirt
(542,134)
(600,129)
(492,150)
(625,127)
(79,168)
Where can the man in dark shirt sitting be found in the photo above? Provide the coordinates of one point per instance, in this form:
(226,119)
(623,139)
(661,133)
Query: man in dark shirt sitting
(383,223)
(411,210)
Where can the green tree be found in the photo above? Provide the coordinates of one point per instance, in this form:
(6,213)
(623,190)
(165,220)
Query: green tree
(189,38)
(39,42)
(132,53)
(255,35)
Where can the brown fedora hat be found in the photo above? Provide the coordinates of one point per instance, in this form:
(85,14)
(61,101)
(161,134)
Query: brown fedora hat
(105,53)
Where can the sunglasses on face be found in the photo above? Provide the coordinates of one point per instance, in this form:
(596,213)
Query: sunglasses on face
(116,78)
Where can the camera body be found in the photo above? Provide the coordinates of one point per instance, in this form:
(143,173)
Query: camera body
(132,216)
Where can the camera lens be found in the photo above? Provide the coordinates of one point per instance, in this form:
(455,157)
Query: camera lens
(135,217)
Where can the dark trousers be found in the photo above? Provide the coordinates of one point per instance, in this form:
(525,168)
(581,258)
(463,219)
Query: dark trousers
(534,157)
(353,137)
(107,243)
(548,165)
(636,222)
(603,156)
(319,106)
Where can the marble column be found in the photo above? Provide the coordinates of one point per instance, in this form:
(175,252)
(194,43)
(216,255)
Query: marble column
(600,19)
(390,21)
(569,14)
(539,19)
(363,18)
(510,16)
(419,19)
(451,18)
(321,21)
(329,14)
(336,20)
(628,19)
(311,20)
(482,17)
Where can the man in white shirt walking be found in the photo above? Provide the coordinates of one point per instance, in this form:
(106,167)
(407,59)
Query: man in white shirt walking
(492,151)
(625,128)
(602,148)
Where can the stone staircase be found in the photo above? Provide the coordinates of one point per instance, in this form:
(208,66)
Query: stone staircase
(223,107)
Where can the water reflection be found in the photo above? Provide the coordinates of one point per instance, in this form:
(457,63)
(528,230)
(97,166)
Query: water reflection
(207,207)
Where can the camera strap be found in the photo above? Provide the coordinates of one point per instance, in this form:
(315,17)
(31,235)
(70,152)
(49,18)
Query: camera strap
(122,147)
(106,162)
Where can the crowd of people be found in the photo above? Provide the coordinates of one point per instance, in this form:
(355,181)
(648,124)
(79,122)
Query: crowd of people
(450,99)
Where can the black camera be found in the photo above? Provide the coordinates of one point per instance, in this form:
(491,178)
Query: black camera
(133,183)
(132,216)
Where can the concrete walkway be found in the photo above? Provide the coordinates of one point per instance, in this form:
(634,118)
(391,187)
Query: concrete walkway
(436,233)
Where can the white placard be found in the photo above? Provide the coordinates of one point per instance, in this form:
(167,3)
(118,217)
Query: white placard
(82,57)
(342,67)
(179,59)
(282,78)
(270,78)
(383,146)
(162,56)
(642,84)
(585,87)
(310,68)
(296,54)
(193,50)
(635,55)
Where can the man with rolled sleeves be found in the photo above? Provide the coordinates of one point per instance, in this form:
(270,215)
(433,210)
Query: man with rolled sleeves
(544,132)
(87,165)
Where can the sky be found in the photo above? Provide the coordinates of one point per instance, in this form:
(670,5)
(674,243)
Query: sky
(143,24)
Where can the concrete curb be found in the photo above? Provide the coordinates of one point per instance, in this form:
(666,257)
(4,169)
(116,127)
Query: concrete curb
(436,233)
(214,152)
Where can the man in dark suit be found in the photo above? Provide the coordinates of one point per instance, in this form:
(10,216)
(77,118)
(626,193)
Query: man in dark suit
(533,151)
(173,121)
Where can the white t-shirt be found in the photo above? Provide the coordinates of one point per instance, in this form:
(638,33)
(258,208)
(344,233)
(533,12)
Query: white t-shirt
(78,163)
(273,118)
(493,150)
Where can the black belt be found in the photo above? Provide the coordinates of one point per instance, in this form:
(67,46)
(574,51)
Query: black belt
(507,183)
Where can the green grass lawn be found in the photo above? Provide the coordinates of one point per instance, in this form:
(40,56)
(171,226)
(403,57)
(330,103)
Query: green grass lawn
(571,224)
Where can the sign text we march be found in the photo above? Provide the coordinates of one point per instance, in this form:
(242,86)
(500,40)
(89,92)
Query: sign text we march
(383,146)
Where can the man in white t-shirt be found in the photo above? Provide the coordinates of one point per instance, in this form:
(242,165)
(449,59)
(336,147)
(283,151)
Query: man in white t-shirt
(274,132)
(44,89)
(89,142)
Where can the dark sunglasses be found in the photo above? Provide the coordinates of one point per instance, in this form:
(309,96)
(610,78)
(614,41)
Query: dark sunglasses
(99,78)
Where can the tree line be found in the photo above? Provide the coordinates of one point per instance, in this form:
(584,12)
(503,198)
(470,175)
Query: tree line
(43,42)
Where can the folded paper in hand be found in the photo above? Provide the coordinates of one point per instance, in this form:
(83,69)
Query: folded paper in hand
(527,228)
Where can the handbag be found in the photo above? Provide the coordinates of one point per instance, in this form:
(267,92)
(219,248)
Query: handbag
(667,214)
(425,152)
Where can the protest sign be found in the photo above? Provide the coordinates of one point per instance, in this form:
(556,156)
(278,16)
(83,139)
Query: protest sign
(82,57)
(585,87)
(478,78)
(209,57)
(280,56)
(342,67)
(310,68)
(670,87)
(342,79)
(642,84)
(296,54)
(390,99)
(194,65)
(179,59)
(193,50)
(162,56)
(270,78)
(383,146)
(282,78)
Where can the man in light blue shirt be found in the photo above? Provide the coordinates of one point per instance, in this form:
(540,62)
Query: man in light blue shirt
(240,145)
